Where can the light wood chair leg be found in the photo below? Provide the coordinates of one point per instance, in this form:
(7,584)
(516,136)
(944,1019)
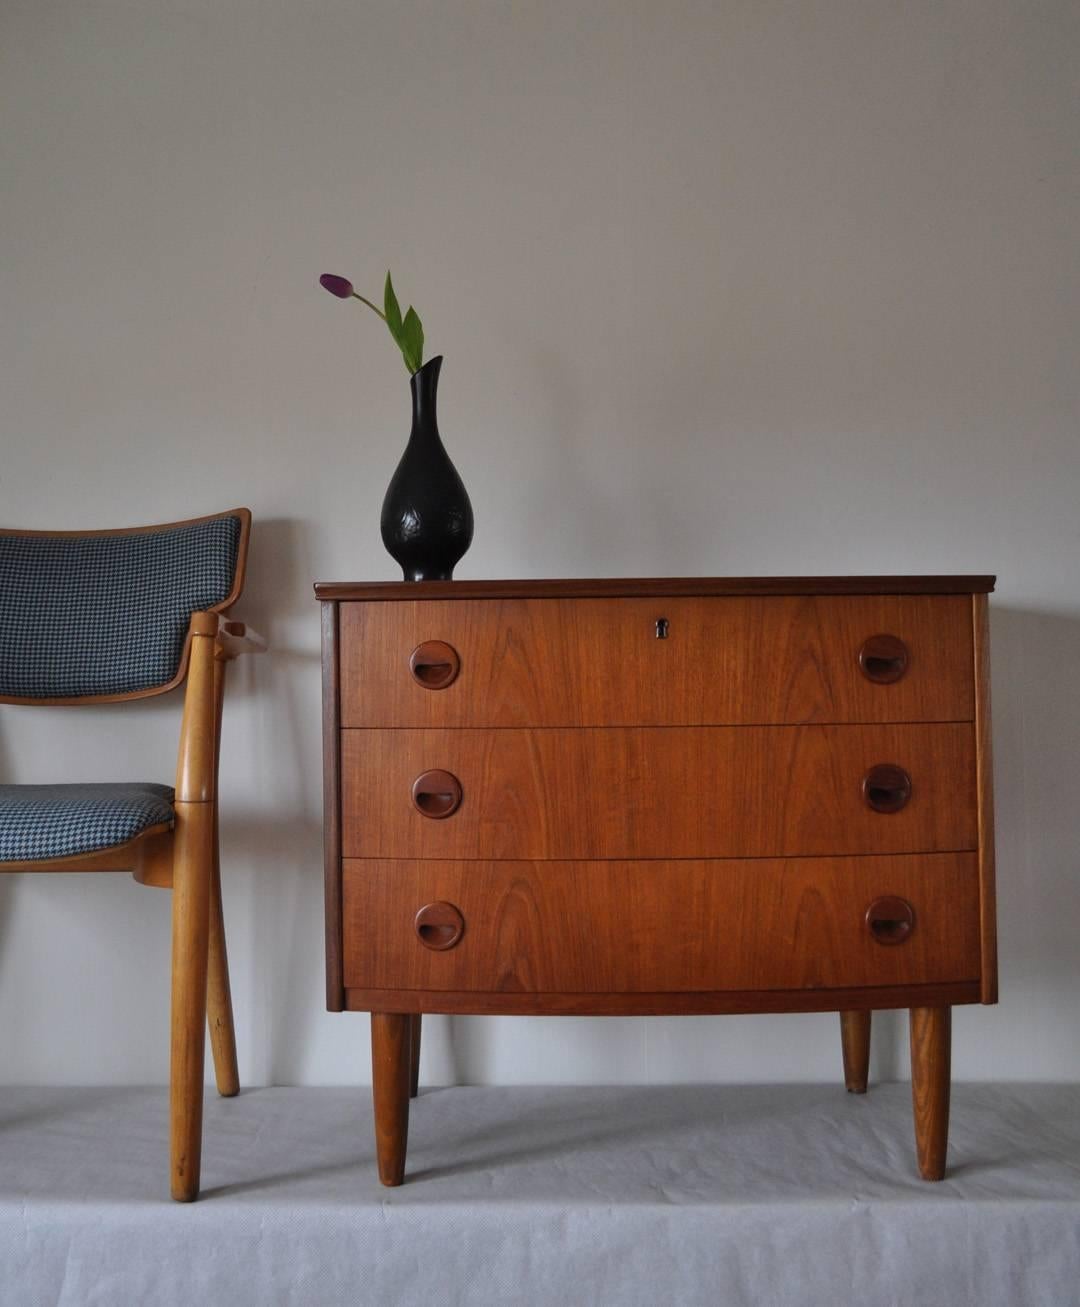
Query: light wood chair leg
(855,1041)
(192,867)
(414,1054)
(391,1064)
(219,1013)
(931,1053)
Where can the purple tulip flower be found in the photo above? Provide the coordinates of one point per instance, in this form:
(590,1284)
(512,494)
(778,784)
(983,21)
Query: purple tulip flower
(337,286)
(407,331)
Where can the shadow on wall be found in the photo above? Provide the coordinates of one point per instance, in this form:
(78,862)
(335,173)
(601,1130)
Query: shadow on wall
(284,925)
(278,832)
(277,592)
(1035,668)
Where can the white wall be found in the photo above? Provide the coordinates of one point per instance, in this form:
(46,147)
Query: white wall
(732,287)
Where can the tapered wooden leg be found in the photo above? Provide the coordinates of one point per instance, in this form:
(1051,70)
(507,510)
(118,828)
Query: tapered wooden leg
(391,1066)
(931,1051)
(190,942)
(219,1013)
(855,1041)
(414,1054)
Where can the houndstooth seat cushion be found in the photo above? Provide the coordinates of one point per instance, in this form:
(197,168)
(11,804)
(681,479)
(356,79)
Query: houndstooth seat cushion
(107,614)
(59,821)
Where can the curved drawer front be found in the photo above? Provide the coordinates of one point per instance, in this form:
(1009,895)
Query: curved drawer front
(709,792)
(649,927)
(599,662)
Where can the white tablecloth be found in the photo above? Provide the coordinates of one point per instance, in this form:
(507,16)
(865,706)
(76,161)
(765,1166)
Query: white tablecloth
(787,1195)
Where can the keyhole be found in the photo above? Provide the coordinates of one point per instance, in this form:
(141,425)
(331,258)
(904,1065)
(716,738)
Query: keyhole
(661,628)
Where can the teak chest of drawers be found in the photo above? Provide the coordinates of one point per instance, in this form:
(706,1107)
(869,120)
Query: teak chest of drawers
(659,796)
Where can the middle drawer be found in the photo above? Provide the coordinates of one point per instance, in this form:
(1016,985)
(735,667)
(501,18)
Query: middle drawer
(657,792)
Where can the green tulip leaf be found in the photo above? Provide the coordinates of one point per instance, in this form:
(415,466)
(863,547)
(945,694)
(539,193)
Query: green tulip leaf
(412,340)
(392,310)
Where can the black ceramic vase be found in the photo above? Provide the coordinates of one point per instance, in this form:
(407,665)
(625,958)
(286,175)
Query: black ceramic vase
(427,520)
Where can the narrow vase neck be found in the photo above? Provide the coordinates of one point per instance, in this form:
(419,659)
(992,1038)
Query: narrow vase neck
(425,384)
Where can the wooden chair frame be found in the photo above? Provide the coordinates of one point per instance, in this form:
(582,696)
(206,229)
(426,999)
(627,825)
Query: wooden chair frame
(185,858)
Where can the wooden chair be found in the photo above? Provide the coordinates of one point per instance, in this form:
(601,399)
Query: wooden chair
(95,617)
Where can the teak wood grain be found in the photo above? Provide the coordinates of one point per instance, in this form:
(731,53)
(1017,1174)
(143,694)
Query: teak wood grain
(666,1003)
(661,792)
(331,741)
(855,1044)
(931,1056)
(629,587)
(391,1055)
(724,661)
(984,765)
(652,926)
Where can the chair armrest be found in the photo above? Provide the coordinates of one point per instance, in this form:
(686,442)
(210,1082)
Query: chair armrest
(235,638)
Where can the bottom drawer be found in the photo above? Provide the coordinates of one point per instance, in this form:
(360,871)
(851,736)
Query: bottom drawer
(655,926)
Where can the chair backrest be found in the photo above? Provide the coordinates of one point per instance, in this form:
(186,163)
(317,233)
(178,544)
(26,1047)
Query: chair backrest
(93,616)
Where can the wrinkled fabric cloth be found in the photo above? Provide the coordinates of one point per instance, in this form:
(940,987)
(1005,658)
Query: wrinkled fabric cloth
(787,1195)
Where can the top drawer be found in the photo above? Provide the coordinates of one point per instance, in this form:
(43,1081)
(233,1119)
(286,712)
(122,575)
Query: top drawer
(599,662)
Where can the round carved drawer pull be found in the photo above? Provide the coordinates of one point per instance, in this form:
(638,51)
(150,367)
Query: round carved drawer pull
(439,926)
(434,664)
(436,794)
(883,659)
(890,920)
(886,787)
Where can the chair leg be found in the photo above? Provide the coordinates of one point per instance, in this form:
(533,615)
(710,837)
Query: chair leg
(855,1041)
(192,869)
(931,1055)
(414,1054)
(219,1013)
(391,1058)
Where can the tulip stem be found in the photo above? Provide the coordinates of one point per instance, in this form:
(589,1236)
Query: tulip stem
(370,305)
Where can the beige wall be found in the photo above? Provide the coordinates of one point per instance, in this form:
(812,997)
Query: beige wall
(731,287)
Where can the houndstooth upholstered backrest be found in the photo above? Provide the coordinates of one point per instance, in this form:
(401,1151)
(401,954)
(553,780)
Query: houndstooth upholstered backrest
(105,615)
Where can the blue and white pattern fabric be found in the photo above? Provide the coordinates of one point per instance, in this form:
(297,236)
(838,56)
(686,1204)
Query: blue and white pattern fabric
(59,821)
(106,614)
